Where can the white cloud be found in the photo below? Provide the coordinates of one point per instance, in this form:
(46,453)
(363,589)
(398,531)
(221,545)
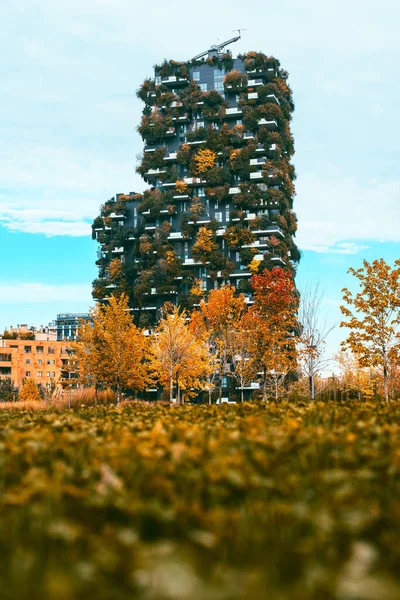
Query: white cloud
(26,293)
(340,214)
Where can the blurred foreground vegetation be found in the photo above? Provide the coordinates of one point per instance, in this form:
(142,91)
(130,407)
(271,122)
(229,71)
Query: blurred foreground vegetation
(282,501)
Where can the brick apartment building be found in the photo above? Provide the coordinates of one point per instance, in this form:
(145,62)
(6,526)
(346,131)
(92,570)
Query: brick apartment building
(40,360)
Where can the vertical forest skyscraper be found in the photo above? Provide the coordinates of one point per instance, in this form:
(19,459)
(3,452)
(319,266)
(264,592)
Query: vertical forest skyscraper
(218,206)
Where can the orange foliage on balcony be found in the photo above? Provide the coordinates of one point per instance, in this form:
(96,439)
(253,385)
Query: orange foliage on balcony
(204,159)
(181,187)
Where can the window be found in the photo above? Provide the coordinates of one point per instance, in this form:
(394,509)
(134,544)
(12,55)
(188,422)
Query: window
(39,374)
(48,362)
(227,211)
(203,87)
(186,250)
(39,362)
(219,75)
(157,80)
(39,349)
(28,361)
(201,192)
(53,374)
(218,216)
(27,349)
(200,124)
(53,362)
(27,374)
(48,374)
(239,122)
(237,256)
(196,75)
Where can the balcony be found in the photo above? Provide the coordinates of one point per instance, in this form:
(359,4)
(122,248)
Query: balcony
(269,73)
(117,216)
(168,184)
(182,119)
(270,125)
(171,156)
(119,250)
(255,82)
(254,162)
(110,286)
(181,196)
(252,96)
(191,262)
(150,227)
(256,175)
(174,80)
(196,143)
(170,132)
(235,111)
(272,98)
(202,221)
(194,181)
(175,235)
(278,260)
(248,135)
(270,229)
(234,190)
(153,173)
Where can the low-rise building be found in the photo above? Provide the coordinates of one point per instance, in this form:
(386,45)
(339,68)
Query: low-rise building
(40,360)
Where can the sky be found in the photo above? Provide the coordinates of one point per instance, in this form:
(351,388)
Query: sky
(68,139)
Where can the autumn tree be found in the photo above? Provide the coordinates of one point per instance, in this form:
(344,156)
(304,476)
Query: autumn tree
(218,318)
(112,352)
(29,391)
(313,332)
(178,356)
(272,324)
(354,377)
(244,365)
(373,317)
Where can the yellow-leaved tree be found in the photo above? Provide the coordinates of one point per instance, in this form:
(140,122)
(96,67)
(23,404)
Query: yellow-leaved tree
(29,392)
(373,316)
(113,352)
(179,357)
(218,319)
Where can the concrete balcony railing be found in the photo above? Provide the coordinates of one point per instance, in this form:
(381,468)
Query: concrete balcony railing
(234,190)
(152,173)
(117,216)
(255,82)
(270,125)
(248,135)
(170,156)
(252,95)
(174,80)
(175,235)
(234,111)
(119,250)
(265,73)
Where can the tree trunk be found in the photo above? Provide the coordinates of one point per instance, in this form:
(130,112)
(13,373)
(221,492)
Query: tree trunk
(276,389)
(171,388)
(209,396)
(265,386)
(385,384)
(311,384)
(178,392)
(241,394)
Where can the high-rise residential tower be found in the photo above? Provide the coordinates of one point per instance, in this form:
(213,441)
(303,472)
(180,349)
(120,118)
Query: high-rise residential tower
(218,207)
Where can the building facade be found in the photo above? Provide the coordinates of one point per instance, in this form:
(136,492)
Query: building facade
(66,325)
(40,360)
(219,204)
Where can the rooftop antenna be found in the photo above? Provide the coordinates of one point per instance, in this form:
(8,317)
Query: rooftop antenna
(216,50)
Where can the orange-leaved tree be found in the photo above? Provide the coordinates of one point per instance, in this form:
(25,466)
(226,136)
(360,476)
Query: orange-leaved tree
(29,392)
(178,356)
(373,316)
(113,352)
(272,322)
(219,318)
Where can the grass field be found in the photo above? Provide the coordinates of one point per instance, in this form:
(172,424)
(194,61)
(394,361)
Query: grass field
(251,501)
